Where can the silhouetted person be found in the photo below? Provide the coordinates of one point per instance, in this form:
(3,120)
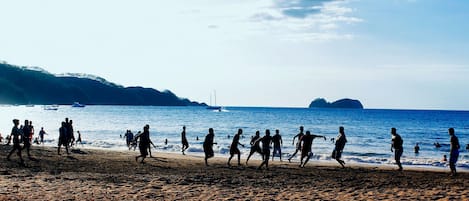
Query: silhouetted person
(16,134)
(277,140)
(144,143)
(467,146)
(416,148)
(197,138)
(454,151)
(298,144)
(31,130)
(129,136)
(185,143)
(208,145)
(397,146)
(36,141)
(255,146)
(339,146)
(70,133)
(63,140)
(444,158)
(41,135)
(26,140)
(79,138)
(166,142)
(266,141)
(306,147)
(437,145)
(234,147)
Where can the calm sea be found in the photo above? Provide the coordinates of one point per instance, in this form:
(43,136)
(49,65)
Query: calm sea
(368,131)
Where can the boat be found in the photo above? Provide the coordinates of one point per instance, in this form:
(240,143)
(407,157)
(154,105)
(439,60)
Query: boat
(214,107)
(77,104)
(51,107)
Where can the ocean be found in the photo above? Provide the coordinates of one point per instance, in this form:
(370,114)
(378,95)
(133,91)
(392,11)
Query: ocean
(367,131)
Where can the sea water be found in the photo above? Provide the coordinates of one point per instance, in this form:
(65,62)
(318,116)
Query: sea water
(367,131)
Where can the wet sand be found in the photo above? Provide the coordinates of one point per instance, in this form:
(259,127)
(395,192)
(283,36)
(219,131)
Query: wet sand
(89,174)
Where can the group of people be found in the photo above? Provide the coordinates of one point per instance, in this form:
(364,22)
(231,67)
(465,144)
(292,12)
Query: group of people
(142,140)
(66,136)
(20,135)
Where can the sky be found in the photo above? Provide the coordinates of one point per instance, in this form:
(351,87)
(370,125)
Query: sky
(396,54)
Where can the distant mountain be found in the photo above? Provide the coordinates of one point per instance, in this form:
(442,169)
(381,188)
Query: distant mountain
(33,85)
(342,103)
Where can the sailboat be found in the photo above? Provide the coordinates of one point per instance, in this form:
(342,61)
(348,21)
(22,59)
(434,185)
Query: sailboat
(213,107)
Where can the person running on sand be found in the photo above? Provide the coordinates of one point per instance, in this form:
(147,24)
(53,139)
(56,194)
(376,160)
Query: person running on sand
(234,147)
(185,143)
(144,143)
(16,134)
(277,140)
(397,145)
(298,144)
(266,141)
(63,140)
(255,146)
(339,146)
(306,147)
(208,145)
(454,151)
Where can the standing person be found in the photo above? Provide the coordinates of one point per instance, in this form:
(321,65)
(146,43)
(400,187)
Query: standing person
(144,143)
(16,134)
(208,145)
(454,151)
(234,147)
(63,140)
(129,136)
(306,147)
(416,148)
(26,140)
(70,135)
(298,144)
(185,143)
(339,146)
(255,146)
(277,140)
(266,141)
(397,145)
(31,130)
(41,135)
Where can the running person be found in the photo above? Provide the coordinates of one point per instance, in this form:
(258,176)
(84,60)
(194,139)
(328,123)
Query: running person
(234,147)
(185,143)
(339,146)
(16,133)
(208,145)
(298,144)
(266,141)
(306,147)
(144,143)
(277,140)
(255,146)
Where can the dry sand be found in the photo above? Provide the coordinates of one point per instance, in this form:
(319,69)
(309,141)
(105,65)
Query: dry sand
(90,174)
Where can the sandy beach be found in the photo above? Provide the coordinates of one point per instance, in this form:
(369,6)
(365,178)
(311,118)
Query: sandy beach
(88,174)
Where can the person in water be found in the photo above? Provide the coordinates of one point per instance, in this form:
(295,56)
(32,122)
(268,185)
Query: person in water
(208,145)
(339,147)
(298,144)
(266,141)
(277,140)
(454,151)
(16,134)
(306,147)
(255,146)
(234,147)
(397,146)
(144,143)
(416,148)
(185,143)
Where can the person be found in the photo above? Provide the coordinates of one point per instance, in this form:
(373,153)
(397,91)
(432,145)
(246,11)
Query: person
(36,141)
(306,147)
(339,146)
(41,135)
(467,147)
(298,144)
(128,137)
(70,135)
(185,143)
(26,140)
(454,151)
(416,148)
(444,158)
(1,138)
(144,143)
(79,138)
(277,140)
(234,147)
(16,134)
(437,145)
(208,145)
(255,146)
(31,130)
(266,141)
(63,140)
(166,141)
(397,146)
(197,138)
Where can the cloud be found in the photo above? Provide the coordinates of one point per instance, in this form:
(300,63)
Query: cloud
(307,20)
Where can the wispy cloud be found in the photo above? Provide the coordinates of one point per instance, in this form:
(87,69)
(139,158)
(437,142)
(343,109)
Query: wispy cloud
(307,20)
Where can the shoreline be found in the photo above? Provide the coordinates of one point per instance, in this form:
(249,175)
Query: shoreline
(89,174)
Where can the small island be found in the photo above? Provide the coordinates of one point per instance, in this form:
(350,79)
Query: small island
(342,103)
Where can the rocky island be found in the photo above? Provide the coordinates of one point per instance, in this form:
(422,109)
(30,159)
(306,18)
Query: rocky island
(342,103)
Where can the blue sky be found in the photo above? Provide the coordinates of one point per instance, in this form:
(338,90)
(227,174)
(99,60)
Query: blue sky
(409,54)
